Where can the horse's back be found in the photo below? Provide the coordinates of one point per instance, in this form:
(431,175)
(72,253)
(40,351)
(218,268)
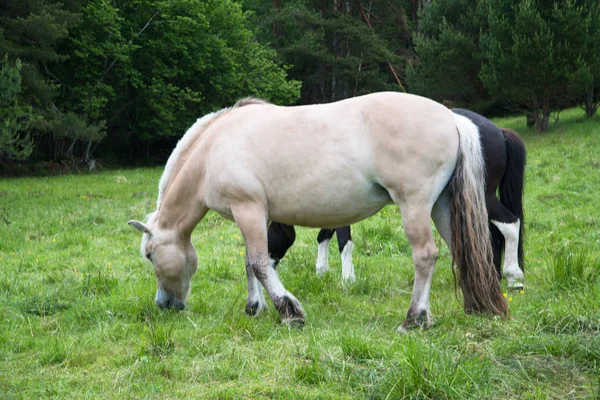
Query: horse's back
(332,164)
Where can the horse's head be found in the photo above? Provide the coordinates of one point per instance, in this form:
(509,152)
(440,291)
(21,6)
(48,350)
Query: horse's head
(174,260)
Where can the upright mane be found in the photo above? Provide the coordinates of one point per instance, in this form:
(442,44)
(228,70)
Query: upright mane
(247,101)
(180,154)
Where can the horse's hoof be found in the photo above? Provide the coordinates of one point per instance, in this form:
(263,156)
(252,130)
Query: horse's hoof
(253,308)
(289,308)
(516,286)
(420,321)
(322,269)
(515,280)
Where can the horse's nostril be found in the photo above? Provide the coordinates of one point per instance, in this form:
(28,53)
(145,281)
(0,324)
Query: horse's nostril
(171,303)
(162,304)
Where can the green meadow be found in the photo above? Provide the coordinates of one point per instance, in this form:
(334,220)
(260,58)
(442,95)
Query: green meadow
(78,320)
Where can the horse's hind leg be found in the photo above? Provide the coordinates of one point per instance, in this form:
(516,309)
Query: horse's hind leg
(416,221)
(252,221)
(509,225)
(323,239)
(346,246)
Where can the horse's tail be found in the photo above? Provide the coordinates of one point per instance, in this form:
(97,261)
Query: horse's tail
(470,245)
(511,186)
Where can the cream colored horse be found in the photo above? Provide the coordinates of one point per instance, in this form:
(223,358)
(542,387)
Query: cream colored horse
(325,166)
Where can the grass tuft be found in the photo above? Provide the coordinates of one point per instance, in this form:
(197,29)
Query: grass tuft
(157,339)
(571,268)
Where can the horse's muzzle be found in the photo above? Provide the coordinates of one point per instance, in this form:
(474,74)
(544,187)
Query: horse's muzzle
(165,300)
(171,303)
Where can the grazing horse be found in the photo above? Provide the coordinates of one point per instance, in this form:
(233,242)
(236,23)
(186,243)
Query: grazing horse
(327,165)
(505,156)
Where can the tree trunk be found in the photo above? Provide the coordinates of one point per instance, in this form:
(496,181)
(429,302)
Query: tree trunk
(542,118)
(276,27)
(530,120)
(591,106)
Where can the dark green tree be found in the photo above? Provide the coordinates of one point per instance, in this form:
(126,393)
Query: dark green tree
(338,49)
(14,144)
(448,55)
(590,55)
(35,32)
(533,53)
(186,59)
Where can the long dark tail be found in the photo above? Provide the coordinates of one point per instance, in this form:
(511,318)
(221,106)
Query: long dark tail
(471,247)
(513,182)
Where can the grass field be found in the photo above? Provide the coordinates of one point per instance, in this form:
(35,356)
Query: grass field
(77,318)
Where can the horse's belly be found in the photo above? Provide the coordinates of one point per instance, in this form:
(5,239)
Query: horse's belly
(320,207)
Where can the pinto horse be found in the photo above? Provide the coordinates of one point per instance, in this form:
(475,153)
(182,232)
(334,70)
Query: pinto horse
(337,164)
(505,157)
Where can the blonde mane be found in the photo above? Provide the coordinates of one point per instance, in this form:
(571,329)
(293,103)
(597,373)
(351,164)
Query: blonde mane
(179,155)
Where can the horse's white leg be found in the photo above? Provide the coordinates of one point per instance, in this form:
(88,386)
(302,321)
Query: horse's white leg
(252,221)
(256,299)
(323,239)
(346,246)
(323,256)
(417,226)
(510,269)
(347,264)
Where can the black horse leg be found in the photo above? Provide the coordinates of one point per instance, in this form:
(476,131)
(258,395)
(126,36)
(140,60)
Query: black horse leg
(280,237)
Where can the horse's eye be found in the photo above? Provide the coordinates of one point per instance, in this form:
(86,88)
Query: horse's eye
(149,256)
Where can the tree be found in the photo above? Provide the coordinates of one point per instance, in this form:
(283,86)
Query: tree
(448,53)
(35,32)
(591,97)
(188,58)
(14,144)
(533,55)
(338,49)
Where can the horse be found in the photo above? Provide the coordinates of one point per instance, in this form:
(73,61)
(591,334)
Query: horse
(325,166)
(505,158)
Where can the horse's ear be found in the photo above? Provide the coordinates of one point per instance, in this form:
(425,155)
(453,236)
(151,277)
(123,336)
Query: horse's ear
(139,226)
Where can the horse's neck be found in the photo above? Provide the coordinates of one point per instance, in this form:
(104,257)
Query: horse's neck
(181,208)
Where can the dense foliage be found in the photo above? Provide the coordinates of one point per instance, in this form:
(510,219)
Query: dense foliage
(130,77)
(132,72)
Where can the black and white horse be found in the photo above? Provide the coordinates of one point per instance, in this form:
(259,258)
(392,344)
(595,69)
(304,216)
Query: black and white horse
(505,158)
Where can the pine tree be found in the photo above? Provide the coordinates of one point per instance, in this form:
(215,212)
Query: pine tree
(534,55)
(448,54)
(14,144)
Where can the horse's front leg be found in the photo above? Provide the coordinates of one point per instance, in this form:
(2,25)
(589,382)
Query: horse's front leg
(256,300)
(280,238)
(252,221)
